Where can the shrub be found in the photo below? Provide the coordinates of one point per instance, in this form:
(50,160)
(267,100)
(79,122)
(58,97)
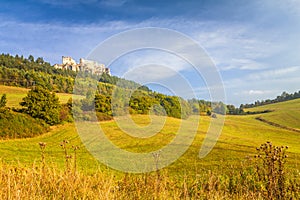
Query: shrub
(17,125)
(208,113)
(103,116)
(3,101)
(270,169)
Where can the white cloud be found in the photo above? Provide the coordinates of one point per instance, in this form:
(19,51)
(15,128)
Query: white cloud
(282,73)
(153,57)
(244,64)
(237,46)
(66,2)
(257,92)
(109,3)
(231,46)
(51,41)
(288,6)
(149,73)
(267,79)
(113,3)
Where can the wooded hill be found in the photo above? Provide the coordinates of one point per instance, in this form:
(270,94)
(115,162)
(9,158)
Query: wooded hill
(28,72)
(283,97)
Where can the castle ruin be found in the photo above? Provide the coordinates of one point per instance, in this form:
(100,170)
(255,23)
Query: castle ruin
(84,65)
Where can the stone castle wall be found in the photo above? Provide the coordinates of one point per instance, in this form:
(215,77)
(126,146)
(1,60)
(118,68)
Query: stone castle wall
(84,65)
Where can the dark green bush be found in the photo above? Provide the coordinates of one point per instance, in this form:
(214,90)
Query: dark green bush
(17,125)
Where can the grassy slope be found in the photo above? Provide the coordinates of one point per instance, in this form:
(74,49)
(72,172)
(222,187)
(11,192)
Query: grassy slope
(16,94)
(27,151)
(284,113)
(237,143)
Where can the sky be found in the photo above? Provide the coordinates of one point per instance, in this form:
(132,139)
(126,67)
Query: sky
(255,45)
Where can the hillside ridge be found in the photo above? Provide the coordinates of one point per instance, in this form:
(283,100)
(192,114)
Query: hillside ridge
(277,125)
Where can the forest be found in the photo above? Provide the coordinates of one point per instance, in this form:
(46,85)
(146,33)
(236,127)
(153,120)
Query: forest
(30,73)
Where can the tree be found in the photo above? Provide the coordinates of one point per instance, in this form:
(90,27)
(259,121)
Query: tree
(39,60)
(3,101)
(219,108)
(41,103)
(208,113)
(31,58)
(103,104)
(231,110)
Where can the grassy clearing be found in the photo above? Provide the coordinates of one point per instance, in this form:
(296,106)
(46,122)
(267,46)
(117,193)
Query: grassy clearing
(16,94)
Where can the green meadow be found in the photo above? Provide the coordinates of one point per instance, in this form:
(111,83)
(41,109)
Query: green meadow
(234,150)
(237,142)
(284,113)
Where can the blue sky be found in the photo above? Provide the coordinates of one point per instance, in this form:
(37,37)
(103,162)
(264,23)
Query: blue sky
(254,44)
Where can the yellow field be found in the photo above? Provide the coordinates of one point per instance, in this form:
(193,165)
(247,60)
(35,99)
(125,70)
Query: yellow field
(237,143)
(233,152)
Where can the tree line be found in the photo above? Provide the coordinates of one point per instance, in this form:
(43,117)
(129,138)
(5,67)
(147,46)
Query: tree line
(128,96)
(28,72)
(30,63)
(283,97)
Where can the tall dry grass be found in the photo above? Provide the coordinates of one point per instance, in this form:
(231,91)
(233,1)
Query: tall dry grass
(46,181)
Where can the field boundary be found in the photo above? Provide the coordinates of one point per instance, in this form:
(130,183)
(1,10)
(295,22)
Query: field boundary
(277,125)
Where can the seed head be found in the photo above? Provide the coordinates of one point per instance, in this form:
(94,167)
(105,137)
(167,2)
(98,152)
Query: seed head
(42,145)
(66,141)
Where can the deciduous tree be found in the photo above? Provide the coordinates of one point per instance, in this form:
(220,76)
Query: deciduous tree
(3,101)
(41,103)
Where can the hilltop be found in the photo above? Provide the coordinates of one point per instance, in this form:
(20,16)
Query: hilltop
(286,114)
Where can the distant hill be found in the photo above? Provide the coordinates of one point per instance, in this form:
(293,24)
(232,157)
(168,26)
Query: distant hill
(28,72)
(31,64)
(286,114)
(283,97)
